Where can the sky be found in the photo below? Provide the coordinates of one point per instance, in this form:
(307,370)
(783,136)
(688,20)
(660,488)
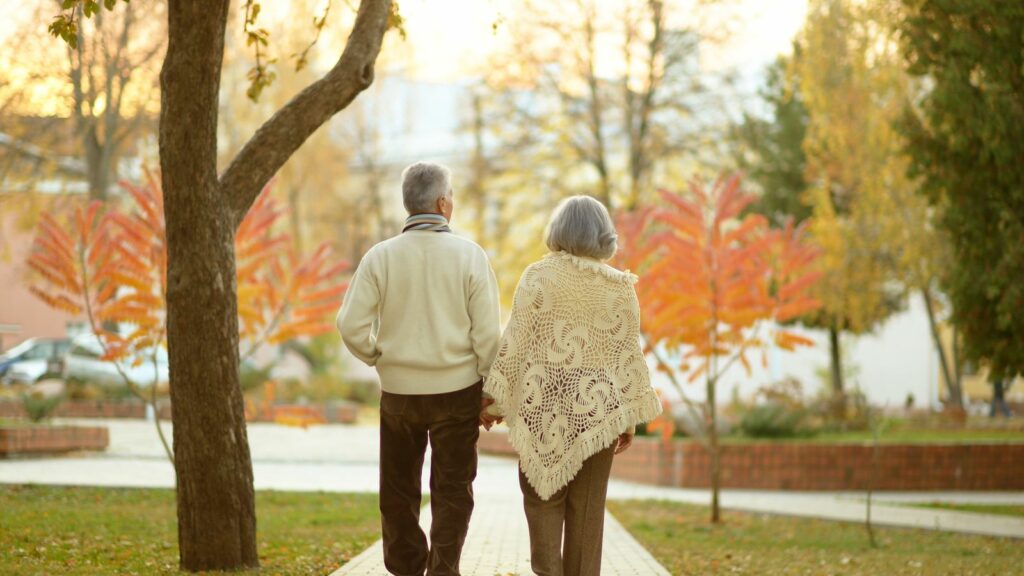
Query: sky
(452,37)
(449,40)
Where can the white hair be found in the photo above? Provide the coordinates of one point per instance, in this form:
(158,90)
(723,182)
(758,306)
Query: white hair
(423,183)
(581,226)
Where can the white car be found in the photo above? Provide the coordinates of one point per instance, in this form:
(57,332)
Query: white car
(84,363)
(25,372)
(32,359)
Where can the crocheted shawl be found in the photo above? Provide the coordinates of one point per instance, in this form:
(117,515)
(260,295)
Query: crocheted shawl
(570,375)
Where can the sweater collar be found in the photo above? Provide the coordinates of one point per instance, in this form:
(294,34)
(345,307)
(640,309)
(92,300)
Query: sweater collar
(432,222)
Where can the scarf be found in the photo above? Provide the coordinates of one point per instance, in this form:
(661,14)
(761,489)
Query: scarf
(570,375)
(435,222)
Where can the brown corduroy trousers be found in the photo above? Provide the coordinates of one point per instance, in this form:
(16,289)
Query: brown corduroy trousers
(407,422)
(566,531)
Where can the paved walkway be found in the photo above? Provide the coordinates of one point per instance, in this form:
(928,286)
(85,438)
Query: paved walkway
(498,543)
(336,458)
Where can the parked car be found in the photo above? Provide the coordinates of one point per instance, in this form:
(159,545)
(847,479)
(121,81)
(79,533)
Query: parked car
(32,359)
(84,363)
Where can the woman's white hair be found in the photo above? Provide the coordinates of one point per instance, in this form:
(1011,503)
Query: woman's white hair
(581,226)
(422,184)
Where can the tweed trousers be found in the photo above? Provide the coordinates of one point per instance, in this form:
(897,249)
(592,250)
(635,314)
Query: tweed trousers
(566,531)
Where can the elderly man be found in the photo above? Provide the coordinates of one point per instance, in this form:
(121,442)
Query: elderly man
(423,308)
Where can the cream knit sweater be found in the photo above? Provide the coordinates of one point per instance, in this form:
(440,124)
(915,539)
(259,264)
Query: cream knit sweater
(570,375)
(423,308)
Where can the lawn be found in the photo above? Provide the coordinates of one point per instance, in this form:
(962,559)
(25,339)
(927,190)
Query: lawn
(16,423)
(52,530)
(999,509)
(681,538)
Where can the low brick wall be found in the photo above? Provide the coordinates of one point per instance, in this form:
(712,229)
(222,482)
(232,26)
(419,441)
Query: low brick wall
(51,439)
(810,466)
(331,412)
(88,409)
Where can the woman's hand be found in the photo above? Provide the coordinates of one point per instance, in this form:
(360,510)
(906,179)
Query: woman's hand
(623,443)
(487,420)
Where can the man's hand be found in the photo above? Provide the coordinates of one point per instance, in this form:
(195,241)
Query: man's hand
(488,420)
(623,443)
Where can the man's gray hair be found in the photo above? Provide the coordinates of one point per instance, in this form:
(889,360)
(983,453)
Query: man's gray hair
(581,226)
(422,184)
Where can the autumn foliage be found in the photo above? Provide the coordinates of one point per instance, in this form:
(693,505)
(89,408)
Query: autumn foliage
(716,284)
(110,265)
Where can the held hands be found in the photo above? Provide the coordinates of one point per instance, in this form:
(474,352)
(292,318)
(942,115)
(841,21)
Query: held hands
(623,443)
(487,420)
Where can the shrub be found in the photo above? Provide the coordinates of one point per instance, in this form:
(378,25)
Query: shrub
(773,420)
(251,377)
(779,410)
(40,406)
(364,392)
(79,389)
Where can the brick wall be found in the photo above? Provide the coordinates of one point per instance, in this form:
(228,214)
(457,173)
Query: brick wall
(809,466)
(88,409)
(52,439)
(333,412)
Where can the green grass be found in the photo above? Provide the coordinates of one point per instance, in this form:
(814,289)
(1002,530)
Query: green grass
(16,423)
(91,531)
(998,509)
(681,538)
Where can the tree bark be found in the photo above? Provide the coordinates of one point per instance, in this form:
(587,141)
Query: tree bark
(838,386)
(999,407)
(714,452)
(958,364)
(216,504)
(956,398)
(97,165)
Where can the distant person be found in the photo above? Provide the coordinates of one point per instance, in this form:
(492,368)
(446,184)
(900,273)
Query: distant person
(571,382)
(423,308)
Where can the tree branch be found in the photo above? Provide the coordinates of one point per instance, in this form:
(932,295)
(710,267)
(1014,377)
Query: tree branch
(287,129)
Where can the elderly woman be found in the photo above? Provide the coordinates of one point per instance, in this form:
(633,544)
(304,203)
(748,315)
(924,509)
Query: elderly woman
(571,382)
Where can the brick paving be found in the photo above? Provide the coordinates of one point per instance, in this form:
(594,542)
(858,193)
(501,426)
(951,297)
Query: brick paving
(498,545)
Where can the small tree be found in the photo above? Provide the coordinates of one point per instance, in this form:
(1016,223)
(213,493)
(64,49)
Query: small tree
(718,286)
(111,266)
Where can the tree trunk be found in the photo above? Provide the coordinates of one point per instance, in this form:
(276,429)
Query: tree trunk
(999,406)
(956,398)
(295,216)
(97,165)
(958,363)
(713,448)
(838,386)
(216,504)
(216,507)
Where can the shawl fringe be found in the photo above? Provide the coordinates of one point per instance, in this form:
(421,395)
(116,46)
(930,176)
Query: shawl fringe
(548,481)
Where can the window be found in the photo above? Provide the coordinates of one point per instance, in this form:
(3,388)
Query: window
(61,347)
(41,351)
(84,351)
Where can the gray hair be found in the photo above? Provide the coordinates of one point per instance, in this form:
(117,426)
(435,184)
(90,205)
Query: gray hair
(422,184)
(581,226)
